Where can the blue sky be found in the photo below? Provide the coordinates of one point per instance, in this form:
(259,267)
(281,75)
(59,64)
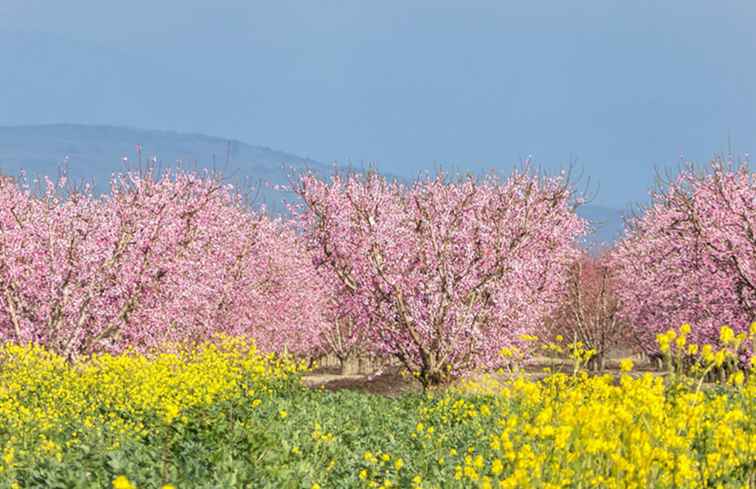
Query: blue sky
(617,87)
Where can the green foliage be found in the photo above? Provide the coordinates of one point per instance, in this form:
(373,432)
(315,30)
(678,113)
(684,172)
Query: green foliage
(263,428)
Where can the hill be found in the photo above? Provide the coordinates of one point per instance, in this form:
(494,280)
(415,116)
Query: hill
(95,152)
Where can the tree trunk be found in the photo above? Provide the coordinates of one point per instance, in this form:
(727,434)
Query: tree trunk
(597,363)
(348,366)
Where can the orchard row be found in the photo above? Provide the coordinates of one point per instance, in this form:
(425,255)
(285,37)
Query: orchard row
(440,275)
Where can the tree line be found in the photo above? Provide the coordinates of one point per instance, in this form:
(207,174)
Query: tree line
(439,275)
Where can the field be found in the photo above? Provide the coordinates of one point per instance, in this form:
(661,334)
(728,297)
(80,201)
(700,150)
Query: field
(167,335)
(224,415)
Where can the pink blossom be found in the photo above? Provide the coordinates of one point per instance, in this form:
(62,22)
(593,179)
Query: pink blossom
(691,256)
(171,257)
(441,275)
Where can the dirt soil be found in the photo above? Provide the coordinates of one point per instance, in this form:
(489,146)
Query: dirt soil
(389,381)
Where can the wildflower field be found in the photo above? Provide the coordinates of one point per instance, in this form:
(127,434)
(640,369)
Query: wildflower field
(224,415)
(159,336)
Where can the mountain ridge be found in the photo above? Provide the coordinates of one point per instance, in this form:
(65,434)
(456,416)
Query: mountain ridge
(95,152)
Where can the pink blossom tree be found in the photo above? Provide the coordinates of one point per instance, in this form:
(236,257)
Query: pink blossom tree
(691,255)
(442,274)
(342,334)
(590,310)
(175,257)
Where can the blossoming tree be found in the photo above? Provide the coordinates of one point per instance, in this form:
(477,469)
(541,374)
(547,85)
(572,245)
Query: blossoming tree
(341,333)
(691,256)
(442,274)
(589,313)
(171,257)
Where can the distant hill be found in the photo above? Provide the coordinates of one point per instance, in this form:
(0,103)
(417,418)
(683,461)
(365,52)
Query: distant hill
(95,152)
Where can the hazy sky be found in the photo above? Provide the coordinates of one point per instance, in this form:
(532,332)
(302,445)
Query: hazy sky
(618,87)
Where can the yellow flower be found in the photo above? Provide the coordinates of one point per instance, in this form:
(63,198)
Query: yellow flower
(8,456)
(363,474)
(726,335)
(122,482)
(170,412)
(398,464)
(626,365)
(168,486)
(685,329)
(719,358)
(663,341)
(738,378)
(282,413)
(315,485)
(707,353)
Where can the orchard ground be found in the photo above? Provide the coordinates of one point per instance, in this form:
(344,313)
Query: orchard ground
(365,376)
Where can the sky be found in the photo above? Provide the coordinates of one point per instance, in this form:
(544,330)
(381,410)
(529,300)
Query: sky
(618,89)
